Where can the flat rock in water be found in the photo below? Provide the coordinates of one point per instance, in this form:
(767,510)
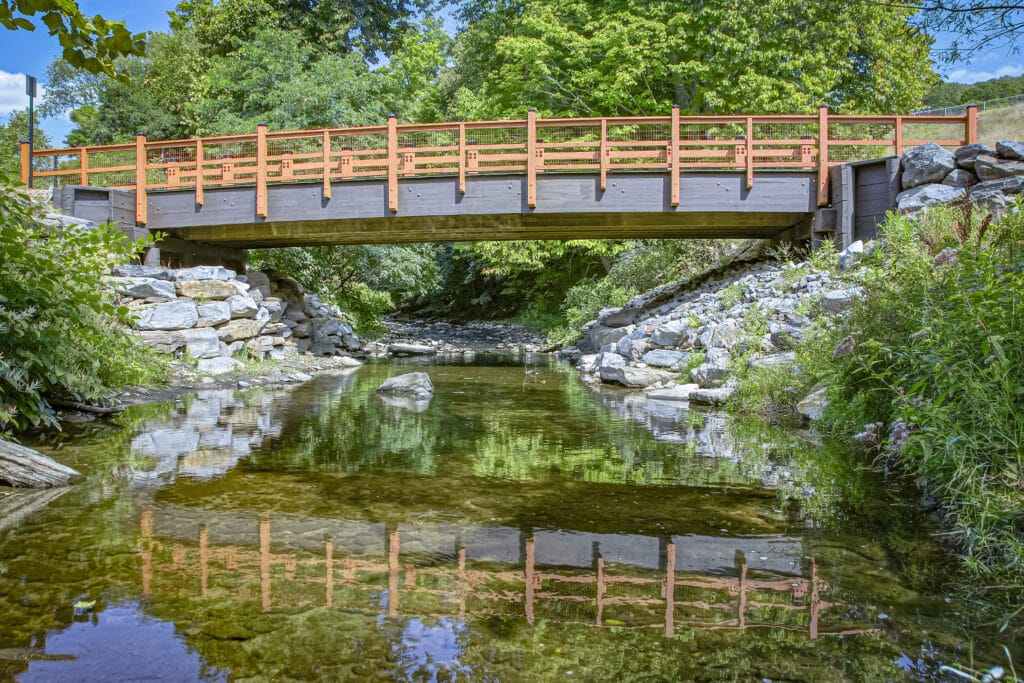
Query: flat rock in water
(635,377)
(711,397)
(411,350)
(414,384)
(679,392)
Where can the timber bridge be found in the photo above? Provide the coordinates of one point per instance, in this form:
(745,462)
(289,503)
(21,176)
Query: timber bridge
(736,176)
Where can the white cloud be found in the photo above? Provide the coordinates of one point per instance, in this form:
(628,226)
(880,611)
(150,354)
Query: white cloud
(969,76)
(12,93)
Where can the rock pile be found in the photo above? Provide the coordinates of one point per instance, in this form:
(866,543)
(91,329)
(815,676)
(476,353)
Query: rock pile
(210,313)
(686,347)
(932,175)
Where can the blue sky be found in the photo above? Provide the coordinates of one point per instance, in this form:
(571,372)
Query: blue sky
(24,52)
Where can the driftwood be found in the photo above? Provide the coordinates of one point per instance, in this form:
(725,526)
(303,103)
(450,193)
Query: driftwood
(86,407)
(20,466)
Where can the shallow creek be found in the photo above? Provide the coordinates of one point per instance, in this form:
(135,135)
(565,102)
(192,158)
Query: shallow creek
(520,527)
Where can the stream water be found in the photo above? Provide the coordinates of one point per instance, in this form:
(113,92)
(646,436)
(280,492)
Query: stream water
(520,527)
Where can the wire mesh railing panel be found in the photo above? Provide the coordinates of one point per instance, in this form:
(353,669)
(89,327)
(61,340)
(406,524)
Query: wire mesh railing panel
(229,162)
(429,152)
(496,149)
(295,158)
(949,135)
(851,141)
(359,155)
(111,167)
(639,146)
(171,165)
(569,148)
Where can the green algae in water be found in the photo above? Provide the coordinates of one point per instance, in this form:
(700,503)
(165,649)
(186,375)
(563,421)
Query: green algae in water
(521,526)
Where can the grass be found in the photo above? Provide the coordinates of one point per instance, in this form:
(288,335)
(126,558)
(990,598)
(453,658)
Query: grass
(1006,123)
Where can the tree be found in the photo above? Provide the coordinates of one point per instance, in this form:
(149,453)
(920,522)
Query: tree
(89,44)
(620,57)
(11,134)
(978,25)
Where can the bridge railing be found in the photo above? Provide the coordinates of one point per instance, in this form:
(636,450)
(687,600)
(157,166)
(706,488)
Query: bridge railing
(605,146)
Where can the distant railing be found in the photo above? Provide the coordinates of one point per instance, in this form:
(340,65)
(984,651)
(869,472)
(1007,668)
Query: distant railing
(648,599)
(961,109)
(668,144)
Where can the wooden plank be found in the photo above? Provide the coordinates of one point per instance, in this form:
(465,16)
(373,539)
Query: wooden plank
(392,163)
(141,206)
(823,156)
(261,170)
(531,159)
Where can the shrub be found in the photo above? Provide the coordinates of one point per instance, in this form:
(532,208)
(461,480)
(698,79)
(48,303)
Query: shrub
(59,337)
(938,359)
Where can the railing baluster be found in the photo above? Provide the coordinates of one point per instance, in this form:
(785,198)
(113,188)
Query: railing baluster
(898,141)
(673,156)
(24,163)
(261,170)
(392,163)
(141,204)
(971,124)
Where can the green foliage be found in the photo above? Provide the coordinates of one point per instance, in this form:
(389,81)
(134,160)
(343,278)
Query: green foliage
(952,94)
(583,57)
(12,132)
(88,44)
(59,337)
(938,360)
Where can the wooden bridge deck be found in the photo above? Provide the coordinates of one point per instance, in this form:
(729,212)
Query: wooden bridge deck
(714,176)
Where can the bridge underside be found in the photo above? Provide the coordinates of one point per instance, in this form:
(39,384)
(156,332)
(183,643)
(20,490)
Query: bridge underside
(569,206)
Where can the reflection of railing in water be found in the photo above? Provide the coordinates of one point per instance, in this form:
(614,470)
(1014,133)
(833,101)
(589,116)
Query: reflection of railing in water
(470,583)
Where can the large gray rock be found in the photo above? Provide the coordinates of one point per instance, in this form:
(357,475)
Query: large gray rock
(599,336)
(163,341)
(959,177)
(201,342)
(712,397)
(928,163)
(257,279)
(840,300)
(993,168)
(205,273)
(714,370)
(669,334)
(607,359)
(213,313)
(775,360)
(209,290)
(132,270)
(1009,185)
(275,307)
(221,365)
(242,306)
(180,314)
(851,256)
(966,156)
(724,335)
(1010,149)
(635,377)
(414,384)
(923,196)
(662,358)
(676,392)
(813,406)
(142,287)
(238,330)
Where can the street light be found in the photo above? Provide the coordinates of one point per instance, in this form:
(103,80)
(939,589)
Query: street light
(30,90)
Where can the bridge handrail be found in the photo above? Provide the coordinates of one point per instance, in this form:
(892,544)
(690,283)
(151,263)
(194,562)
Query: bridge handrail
(531,146)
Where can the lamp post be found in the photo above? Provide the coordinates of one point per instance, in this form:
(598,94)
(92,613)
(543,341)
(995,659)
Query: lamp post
(30,90)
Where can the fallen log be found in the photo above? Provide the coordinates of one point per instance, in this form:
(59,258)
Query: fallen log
(20,466)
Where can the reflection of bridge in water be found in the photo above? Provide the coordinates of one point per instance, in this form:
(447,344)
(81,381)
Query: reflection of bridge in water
(570,577)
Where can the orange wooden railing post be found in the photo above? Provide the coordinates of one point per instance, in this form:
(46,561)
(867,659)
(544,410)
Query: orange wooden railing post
(83,165)
(204,559)
(531,159)
(822,155)
(462,158)
(327,164)
(141,205)
(898,138)
(200,163)
(750,153)
(971,124)
(24,163)
(605,154)
(673,157)
(261,170)
(392,163)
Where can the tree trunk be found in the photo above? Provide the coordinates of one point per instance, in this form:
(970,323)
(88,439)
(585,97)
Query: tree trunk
(20,466)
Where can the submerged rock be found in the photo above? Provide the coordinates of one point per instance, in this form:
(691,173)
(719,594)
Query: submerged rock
(411,350)
(414,384)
